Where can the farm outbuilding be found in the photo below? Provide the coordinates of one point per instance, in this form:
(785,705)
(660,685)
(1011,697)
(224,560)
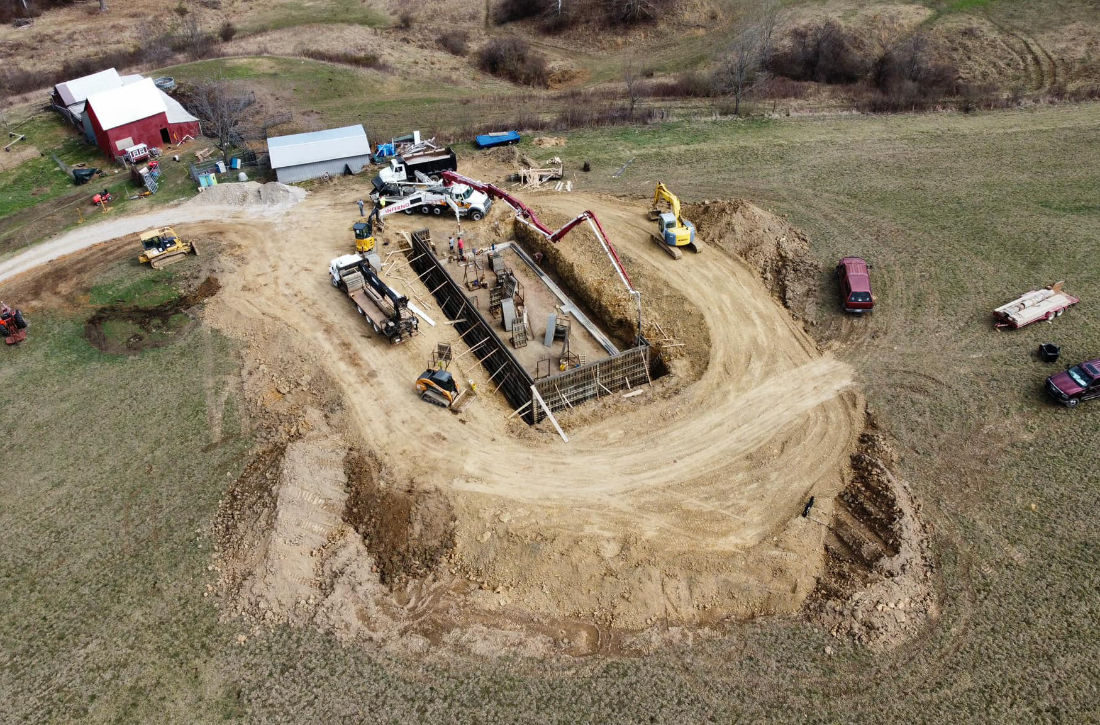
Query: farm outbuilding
(335,151)
(137,113)
(70,97)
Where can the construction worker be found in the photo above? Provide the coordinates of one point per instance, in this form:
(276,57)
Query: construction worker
(461,253)
(451,244)
(360,203)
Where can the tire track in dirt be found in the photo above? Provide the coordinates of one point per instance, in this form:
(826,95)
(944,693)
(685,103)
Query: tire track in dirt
(710,479)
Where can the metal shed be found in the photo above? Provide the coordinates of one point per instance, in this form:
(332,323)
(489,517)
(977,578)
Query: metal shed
(305,156)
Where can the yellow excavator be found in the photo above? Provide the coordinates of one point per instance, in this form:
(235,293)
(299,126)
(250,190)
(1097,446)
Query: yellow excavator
(674,231)
(161,247)
(364,236)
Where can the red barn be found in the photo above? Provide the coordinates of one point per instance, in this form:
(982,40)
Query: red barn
(138,113)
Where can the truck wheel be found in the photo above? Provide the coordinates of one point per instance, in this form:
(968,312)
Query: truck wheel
(1072,402)
(409,210)
(359,310)
(334,282)
(1058,313)
(475,215)
(437,210)
(425,210)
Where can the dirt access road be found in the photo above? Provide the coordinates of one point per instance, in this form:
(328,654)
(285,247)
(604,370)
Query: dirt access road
(680,507)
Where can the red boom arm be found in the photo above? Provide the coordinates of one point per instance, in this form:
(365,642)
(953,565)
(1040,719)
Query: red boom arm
(526,216)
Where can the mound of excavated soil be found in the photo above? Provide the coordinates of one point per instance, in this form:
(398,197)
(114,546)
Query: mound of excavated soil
(272,195)
(877,587)
(770,245)
(675,510)
(549,141)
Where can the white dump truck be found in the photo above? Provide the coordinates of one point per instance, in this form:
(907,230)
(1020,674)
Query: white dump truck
(430,163)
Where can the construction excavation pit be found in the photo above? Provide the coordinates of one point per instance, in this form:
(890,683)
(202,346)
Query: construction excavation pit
(702,470)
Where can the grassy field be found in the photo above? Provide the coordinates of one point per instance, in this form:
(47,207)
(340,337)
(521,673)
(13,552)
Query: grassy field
(107,512)
(293,13)
(106,522)
(38,199)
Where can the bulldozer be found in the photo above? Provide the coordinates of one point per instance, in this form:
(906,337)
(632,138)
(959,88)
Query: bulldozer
(674,231)
(161,247)
(13,326)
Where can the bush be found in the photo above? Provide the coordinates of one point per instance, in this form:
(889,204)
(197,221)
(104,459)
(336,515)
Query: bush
(513,59)
(227,31)
(826,53)
(908,68)
(688,84)
(510,10)
(405,20)
(362,60)
(454,41)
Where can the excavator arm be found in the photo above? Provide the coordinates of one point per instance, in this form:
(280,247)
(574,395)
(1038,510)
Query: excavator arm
(662,193)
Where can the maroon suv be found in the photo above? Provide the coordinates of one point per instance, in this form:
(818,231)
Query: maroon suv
(1080,382)
(855,284)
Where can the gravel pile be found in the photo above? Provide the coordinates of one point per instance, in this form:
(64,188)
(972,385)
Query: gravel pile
(272,195)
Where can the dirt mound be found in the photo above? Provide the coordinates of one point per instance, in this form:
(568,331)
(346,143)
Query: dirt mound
(770,245)
(877,587)
(408,531)
(272,195)
(121,329)
(511,156)
(680,509)
(549,141)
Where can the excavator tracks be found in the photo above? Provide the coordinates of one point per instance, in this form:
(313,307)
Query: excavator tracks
(673,252)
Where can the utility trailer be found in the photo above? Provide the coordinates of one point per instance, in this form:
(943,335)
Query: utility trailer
(1041,304)
(385,309)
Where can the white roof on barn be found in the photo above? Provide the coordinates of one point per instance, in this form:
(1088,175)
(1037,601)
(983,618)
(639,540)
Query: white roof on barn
(78,89)
(126,104)
(176,113)
(308,148)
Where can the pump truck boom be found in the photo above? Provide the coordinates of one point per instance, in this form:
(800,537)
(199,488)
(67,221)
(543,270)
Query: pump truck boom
(526,216)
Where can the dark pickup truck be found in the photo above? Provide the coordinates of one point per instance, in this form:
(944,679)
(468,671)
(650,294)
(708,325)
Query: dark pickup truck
(1080,382)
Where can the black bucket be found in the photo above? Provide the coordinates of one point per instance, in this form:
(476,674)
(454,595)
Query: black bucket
(1049,352)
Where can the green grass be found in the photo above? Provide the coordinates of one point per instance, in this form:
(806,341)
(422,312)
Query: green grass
(123,287)
(294,13)
(38,199)
(39,180)
(107,528)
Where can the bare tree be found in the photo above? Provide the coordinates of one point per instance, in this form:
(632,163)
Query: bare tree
(632,78)
(740,65)
(767,20)
(221,110)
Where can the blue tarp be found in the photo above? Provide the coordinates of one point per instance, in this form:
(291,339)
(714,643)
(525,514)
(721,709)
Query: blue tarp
(500,138)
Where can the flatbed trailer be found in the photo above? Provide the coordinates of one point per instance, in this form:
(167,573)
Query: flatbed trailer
(386,310)
(1036,305)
